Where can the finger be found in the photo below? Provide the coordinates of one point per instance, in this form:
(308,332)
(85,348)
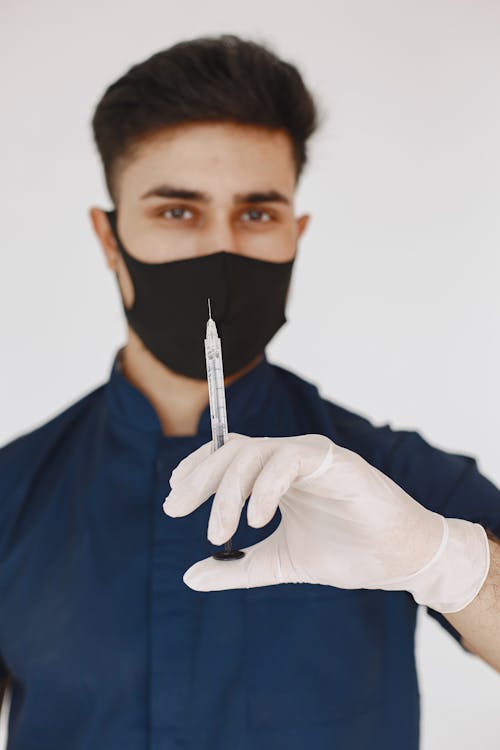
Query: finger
(187,464)
(190,492)
(190,462)
(235,486)
(273,481)
(258,567)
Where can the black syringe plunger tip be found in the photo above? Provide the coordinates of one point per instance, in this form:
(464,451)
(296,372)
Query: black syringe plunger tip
(228,553)
(233,554)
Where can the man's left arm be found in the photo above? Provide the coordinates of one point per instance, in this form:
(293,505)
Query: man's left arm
(428,539)
(453,485)
(479,622)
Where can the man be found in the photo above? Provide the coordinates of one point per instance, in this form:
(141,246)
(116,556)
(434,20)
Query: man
(308,639)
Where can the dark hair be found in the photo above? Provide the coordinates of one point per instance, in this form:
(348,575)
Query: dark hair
(221,78)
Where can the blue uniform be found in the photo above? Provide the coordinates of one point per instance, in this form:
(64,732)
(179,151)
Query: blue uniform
(108,649)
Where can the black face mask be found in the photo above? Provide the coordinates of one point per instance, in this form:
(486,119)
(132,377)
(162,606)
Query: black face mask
(169,312)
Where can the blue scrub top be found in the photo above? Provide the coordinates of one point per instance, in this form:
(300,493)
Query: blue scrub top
(108,649)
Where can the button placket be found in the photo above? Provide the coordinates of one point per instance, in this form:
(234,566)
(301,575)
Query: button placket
(171,607)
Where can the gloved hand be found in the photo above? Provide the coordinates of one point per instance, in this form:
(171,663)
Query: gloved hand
(344,523)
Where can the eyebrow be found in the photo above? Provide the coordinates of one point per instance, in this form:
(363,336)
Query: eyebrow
(170,191)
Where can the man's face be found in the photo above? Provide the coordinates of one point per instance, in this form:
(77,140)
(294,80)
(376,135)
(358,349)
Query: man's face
(202,188)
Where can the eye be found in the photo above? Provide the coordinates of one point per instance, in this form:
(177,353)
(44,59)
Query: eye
(256,215)
(178,213)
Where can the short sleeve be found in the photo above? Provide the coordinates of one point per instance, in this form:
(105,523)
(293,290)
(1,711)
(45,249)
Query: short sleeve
(447,483)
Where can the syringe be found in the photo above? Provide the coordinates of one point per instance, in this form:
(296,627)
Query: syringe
(218,416)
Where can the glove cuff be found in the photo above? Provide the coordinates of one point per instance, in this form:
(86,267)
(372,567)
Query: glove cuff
(456,573)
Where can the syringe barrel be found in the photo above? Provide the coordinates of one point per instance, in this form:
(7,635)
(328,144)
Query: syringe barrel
(217,397)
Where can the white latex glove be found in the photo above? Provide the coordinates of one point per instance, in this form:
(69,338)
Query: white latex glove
(344,523)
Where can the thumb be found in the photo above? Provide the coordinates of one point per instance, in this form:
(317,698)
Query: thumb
(258,567)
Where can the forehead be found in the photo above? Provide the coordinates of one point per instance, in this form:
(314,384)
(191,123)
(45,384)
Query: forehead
(216,158)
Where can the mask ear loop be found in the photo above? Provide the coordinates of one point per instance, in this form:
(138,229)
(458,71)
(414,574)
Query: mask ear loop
(127,259)
(113,225)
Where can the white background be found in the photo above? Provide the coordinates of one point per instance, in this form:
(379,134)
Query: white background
(394,307)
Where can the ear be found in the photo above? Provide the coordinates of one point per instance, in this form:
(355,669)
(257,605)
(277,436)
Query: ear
(302,223)
(112,254)
(105,236)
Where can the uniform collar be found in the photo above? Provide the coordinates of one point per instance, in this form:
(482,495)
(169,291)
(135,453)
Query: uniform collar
(244,398)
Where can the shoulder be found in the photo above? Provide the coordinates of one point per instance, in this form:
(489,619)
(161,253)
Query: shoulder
(376,443)
(431,474)
(346,427)
(22,457)
(426,471)
(53,426)
(445,481)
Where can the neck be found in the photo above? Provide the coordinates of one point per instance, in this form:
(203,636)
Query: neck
(178,400)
